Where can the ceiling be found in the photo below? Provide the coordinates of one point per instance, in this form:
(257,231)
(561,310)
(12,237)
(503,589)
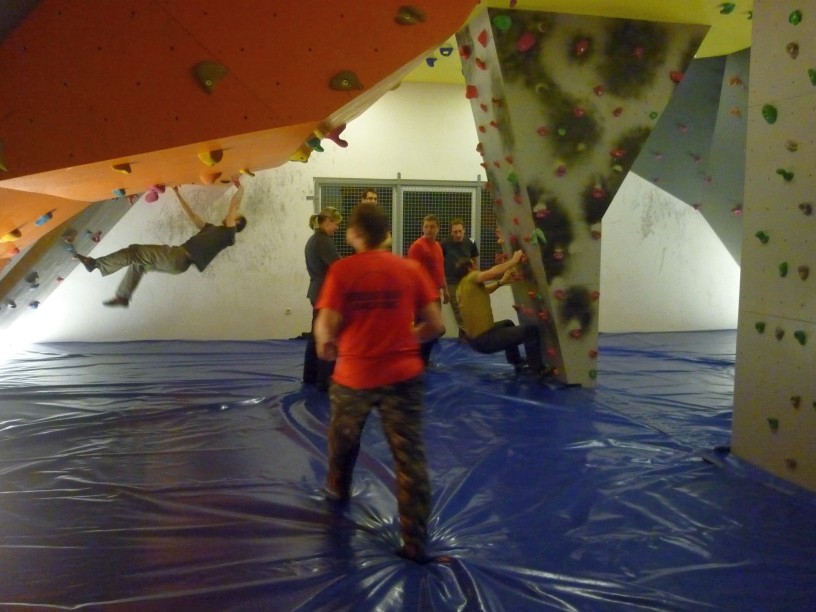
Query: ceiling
(90,112)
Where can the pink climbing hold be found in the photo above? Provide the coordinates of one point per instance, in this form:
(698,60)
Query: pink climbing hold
(334,136)
(151,196)
(525,42)
(482,38)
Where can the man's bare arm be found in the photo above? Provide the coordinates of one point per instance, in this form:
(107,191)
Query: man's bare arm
(199,222)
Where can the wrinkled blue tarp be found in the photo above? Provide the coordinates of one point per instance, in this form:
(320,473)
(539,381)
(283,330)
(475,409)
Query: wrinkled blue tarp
(188,475)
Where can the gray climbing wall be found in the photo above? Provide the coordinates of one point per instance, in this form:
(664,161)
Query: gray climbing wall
(775,388)
(563,105)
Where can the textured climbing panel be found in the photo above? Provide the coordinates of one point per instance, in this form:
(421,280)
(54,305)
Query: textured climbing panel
(562,106)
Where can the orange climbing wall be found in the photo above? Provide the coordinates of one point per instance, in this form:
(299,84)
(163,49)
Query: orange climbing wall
(86,82)
(562,105)
(775,389)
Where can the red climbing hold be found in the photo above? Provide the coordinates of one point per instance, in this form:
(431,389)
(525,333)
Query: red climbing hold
(525,42)
(471,92)
(482,38)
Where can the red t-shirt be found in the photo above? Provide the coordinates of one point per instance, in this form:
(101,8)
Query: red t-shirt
(429,254)
(378,295)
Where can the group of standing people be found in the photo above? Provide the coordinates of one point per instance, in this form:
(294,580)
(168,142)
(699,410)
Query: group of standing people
(375,319)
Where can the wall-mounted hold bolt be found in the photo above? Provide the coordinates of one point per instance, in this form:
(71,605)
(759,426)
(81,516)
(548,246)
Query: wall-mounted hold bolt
(779,333)
(760,326)
(806,208)
(409,15)
(804,272)
(773,423)
(800,336)
(763,237)
(796,400)
(791,463)
(345,80)
(208,74)
(783,269)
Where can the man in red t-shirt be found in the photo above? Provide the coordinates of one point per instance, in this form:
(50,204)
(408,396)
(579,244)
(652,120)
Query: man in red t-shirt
(427,251)
(366,321)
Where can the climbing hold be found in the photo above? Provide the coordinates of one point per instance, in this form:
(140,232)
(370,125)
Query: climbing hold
(33,305)
(96,236)
(779,333)
(786,175)
(561,170)
(32,277)
(793,50)
(769,113)
(773,423)
(598,90)
(581,47)
(482,38)
(445,51)
(2,157)
(593,354)
(800,336)
(11,236)
(525,42)
(45,218)
(811,76)
(512,178)
(763,237)
(502,22)
(480,64)
(760,326)
(11,303)
(246,171)
(430,61)
(576,334)
(209,73)
(334,136)
(471,92)
(210,177)
(543,131)
(653,115)
(538,236)
(804,272)
(314,144)
(123,168)
(806,208)
(465,51)
(676,76)
(795,18)
(561,131)
(618,153)
(791,463)
(726,8)
(345,80)
(617,112)
(409,15)
(796,400)
(559,294)
(792,146)
(151,196)
(301,155)
(210,158)
(783,269)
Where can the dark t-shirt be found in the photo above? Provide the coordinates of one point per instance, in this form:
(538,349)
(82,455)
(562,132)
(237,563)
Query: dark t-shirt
(320,253)
(457,258)
(207,243)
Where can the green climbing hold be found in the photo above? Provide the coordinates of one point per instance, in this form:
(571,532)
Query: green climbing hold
(783,269)
(538,236)
(760,326)
(795,17)
(769,113)
(562,131)
(502,22)
(800,336)
(653,115)
(513,178)
(787,176)
(763,237)
(812,76)
(773,423)
(726,8)
(593,374)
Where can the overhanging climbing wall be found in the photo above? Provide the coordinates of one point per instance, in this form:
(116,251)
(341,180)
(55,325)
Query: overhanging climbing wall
(563,104)
(775,389)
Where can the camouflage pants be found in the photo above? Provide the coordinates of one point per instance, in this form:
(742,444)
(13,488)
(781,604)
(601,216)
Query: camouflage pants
(400,409)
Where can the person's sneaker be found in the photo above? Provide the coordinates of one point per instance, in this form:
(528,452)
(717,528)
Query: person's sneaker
(88,262)
(117,301)
(407,552)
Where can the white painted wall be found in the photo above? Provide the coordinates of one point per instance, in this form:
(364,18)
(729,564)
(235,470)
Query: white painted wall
(662,270)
